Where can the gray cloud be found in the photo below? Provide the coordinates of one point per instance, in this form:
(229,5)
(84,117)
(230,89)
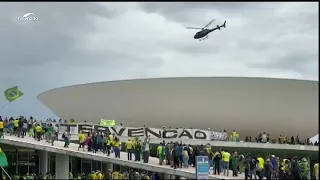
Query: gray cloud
(277,35)
(74,43)
(49,38)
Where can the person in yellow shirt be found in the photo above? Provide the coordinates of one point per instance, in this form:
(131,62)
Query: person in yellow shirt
(225,161)
(129,147)
(115,175)
(93,175)
(82,138)
(234,135)
(316,171)
(217,159)
(1,128)
(185,157)
(111,137)
(159,150)
(122,176)
(99,175)
(108,146)
(16,126)
(116,147)
(38,131)
(260,166)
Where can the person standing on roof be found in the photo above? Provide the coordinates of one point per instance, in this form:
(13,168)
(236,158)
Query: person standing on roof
(20,127)
(108,146)
(161,153)
(53,137)
(66,137)
(210,153)
(82,138)
(112,138)
(24,128)
(94,142)
(129,148)
(146,150)
(234,164)
(38,129)
(226,159)
(137,151)
(1,129)
(116,147)
(48,133)
(16,126)
(185,157)
(217,159)
(56,130)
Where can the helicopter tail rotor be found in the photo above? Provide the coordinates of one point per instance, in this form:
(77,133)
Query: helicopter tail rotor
(224,24)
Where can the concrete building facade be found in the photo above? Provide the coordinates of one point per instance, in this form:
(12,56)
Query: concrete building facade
(249,105)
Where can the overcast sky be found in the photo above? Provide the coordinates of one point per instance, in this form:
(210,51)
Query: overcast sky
(74,43)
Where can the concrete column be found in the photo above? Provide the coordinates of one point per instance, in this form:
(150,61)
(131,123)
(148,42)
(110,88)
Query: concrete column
(43,161)
(62,166)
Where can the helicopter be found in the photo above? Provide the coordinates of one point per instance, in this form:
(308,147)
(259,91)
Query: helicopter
(203,34)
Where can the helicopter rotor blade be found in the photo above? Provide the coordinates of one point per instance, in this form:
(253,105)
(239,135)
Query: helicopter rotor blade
(209,23)
(193,28)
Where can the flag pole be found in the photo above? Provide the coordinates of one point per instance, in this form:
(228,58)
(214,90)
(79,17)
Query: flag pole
(5,105)
(6,173)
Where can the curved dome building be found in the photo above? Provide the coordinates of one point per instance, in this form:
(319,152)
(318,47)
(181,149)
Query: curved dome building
(249,105)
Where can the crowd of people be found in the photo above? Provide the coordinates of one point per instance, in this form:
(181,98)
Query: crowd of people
(24,125)
(265,138)
(116,175)
(179,155)
(174,154)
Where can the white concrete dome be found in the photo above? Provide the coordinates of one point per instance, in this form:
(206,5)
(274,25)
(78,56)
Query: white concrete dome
(249,105)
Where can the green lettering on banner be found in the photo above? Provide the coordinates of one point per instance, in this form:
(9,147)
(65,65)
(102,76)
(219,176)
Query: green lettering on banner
(107,123)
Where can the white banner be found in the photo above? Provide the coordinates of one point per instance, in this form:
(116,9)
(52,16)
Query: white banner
(195,134)
(219,136)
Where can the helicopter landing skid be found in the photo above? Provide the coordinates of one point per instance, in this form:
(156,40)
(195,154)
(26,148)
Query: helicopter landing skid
(206,37)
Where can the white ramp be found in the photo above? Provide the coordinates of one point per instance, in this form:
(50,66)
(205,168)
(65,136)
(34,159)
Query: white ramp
(73,151)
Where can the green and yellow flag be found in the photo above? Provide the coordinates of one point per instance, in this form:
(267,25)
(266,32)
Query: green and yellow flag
(3,159)
(12,94)
(107,123)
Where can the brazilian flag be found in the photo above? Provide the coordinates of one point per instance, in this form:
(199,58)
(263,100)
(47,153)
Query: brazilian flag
(3,159)
(12,93)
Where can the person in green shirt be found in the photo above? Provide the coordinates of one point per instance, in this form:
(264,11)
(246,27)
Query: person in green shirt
(49,131)
(234,164)
(304,168)
(137,151)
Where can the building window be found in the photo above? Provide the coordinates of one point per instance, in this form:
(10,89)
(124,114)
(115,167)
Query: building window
(76,166)
(96,165)
(86,166)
